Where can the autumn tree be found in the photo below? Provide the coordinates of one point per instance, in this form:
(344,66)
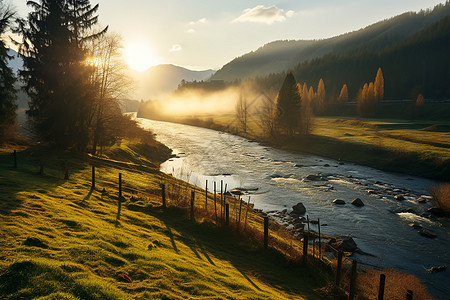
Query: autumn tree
(288,107)
(343,96)
(320,99)
(266,114)
(7,78)
(379,86)
(56,73)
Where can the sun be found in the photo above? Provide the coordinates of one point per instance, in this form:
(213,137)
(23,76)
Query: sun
(139,57)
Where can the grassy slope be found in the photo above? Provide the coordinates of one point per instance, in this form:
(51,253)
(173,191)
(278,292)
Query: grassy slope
(81,252)
(421,148)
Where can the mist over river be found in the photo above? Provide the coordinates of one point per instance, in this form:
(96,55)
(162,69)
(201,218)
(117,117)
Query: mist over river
(381,227)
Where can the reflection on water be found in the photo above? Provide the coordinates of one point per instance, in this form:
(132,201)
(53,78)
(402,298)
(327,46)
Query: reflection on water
(381,227)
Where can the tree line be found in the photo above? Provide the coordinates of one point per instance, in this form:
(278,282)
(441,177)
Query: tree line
(72,72)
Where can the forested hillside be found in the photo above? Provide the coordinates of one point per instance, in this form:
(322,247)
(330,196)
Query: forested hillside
(285,55)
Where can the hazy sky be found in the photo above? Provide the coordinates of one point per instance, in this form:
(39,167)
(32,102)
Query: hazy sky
(202,34)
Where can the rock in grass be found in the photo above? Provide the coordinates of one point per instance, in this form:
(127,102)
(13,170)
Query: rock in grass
(34,242)
(298,209)
(357,202)
(339,201)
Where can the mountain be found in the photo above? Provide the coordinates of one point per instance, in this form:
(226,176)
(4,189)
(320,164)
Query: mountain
(160,80)
(281,56)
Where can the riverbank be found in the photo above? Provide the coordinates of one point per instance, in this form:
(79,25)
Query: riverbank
(419,149)
(62,239)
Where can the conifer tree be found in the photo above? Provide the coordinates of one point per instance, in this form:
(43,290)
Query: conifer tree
(321,106)
(288,107)
(56,73)
(7,78)
(343,96)
(379,86)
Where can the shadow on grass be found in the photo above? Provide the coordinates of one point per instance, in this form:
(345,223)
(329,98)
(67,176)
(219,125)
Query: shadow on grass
(26,177)
(248,257)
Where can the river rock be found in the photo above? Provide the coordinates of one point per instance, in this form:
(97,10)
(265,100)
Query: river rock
(299,209)
(313,177)
(339,201)
(427,233)
(237,192)
(357,202)
(422,200)
(437,211)
(371,192)
(399,198)
(344,243)
(415,226)
(437,269)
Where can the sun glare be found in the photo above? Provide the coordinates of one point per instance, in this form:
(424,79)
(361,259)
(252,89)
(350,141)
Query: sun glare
(139,57)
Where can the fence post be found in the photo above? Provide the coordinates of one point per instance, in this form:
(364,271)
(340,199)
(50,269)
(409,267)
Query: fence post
(119,201)
(246,213)
(41,168)
(192,204)
(93,178)
(351,296)
(305,248)
(15,158)
(381,288)
(266,232)
(320,240)
(206,197)
(221,200)
(66,171)
(409,295)
(240,208)
(163,194)
(227,214)
(339,268)
(215,201)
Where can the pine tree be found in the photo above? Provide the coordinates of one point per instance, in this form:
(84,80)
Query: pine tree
(321,106)
(288,106)
(56,72)
(7,78)
(343,96)
(379,86)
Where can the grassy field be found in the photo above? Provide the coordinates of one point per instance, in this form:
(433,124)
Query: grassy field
(61,240)
(416,148)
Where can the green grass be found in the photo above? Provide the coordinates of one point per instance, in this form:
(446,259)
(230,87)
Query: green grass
(60,240)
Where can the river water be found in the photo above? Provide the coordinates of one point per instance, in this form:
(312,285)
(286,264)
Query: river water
(277,179)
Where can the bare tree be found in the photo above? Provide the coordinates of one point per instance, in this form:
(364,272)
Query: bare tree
(242,108)
(111,83)
(266,114)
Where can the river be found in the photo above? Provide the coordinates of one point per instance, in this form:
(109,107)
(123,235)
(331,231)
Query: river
(381,227)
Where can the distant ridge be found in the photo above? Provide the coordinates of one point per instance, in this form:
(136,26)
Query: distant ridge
(279,56)
(160,80)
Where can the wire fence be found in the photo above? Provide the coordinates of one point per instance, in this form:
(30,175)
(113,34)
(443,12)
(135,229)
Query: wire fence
(216,204)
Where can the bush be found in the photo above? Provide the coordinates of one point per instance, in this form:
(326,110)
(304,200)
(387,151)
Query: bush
(396,285)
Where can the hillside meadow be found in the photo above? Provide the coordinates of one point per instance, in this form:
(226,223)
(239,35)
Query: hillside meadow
(62,240)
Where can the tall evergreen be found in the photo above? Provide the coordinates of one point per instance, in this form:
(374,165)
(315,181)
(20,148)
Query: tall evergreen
(55,72)
(7,78)
(288,107)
